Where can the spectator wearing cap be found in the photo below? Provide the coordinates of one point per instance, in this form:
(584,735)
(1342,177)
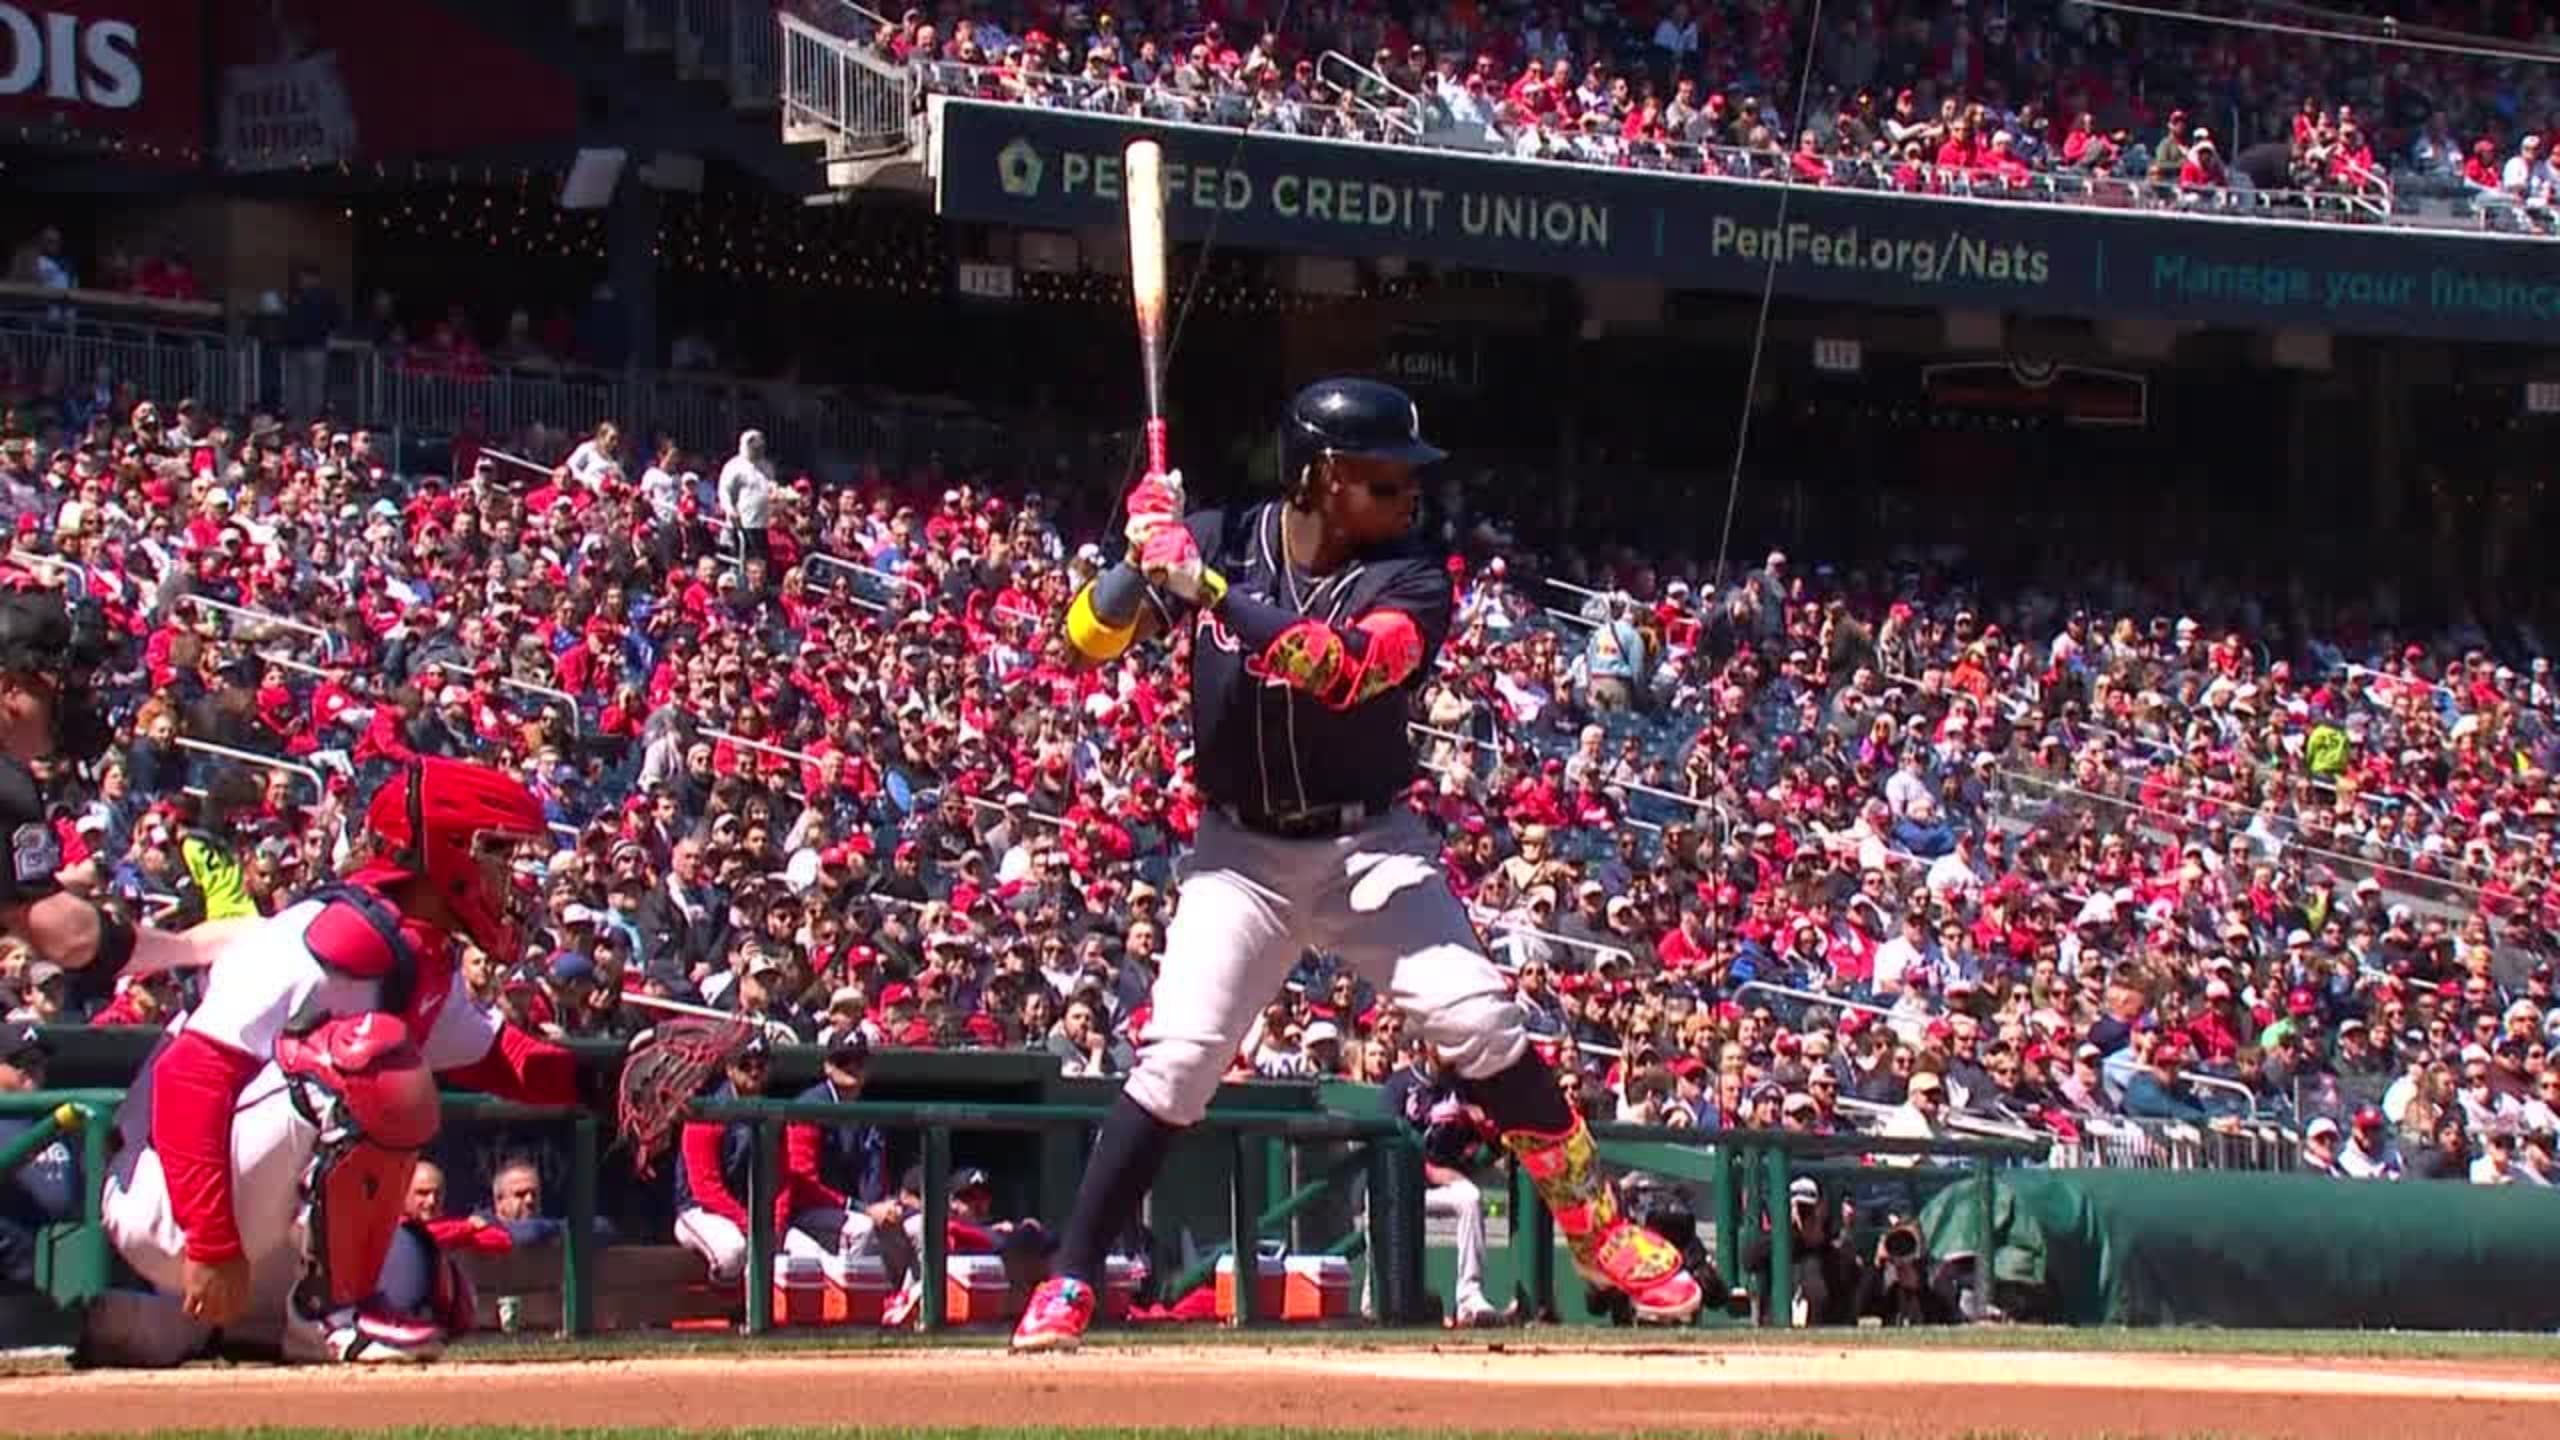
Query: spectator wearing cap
(2320,1148)
(711,1174)
(2368,1152)
(1922,1115)
(839,1172)
(2160,1090)
(1427,1101)
(46,1187)
(43,996)
(1824,1289)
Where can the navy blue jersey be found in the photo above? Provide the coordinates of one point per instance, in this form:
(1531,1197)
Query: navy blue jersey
(1266,747)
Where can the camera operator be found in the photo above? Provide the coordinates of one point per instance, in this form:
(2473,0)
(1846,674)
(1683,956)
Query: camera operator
(1905,1287)
(1828,1277)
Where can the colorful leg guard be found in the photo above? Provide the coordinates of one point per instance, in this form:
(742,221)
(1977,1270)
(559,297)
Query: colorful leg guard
(1609,1249)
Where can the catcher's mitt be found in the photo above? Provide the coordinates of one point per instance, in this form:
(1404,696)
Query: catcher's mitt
(663,1074)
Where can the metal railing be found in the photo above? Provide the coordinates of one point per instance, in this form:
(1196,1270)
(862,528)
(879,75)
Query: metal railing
(865,104)
(1388,105)
(319,787)
(163,362)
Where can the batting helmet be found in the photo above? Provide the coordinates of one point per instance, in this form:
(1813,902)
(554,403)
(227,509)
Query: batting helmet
(1352,417)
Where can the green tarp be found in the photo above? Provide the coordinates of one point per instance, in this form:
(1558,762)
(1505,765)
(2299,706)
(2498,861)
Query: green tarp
(2150,1247)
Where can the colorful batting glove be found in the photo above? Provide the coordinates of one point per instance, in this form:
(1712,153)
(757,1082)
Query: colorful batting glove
(1154,503)
(1171,559)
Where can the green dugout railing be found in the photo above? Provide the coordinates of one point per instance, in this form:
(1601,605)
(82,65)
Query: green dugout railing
(73,1264)
(71,1255)
(1748,1174)
(1392,1165)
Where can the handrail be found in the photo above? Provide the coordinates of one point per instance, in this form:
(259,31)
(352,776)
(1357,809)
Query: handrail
(2338,857)
(1485,916)
(260,617)
(816,557)
(319,787)
(1815,997)
(567,701)
(1368,82)
(2216,1082)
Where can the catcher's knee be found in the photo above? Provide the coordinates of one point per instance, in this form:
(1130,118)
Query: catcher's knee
(1480,1035)
(364,1086)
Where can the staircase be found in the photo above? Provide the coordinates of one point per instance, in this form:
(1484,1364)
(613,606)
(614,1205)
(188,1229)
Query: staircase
(807,60)
(861,109)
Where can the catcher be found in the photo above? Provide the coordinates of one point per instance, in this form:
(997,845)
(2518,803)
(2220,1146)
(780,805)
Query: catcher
(268,1145)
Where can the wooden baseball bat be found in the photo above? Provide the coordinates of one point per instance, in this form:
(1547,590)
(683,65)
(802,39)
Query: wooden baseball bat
(1142,175)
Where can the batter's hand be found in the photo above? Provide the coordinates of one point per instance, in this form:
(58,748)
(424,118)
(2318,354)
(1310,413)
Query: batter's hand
(217,1293)
(1155,503)
(1172,561)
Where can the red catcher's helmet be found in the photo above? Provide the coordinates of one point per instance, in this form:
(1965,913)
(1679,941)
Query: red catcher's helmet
(455,825)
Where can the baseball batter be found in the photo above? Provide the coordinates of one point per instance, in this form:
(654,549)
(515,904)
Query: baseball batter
(1315,616)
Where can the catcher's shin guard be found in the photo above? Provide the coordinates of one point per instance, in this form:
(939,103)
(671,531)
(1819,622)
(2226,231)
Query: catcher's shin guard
(1611,1251)
(364,1085)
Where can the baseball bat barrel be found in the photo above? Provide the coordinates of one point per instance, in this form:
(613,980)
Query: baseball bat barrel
(1142,173)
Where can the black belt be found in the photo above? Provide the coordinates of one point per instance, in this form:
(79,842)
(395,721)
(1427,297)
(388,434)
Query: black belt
(1322,822)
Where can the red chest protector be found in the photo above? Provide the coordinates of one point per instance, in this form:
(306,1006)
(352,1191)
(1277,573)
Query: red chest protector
(359,933)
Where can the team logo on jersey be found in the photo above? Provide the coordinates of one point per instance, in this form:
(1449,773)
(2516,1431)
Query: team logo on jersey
(1215,631)
(35,853)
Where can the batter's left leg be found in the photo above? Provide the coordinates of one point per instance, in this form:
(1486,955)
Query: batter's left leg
(1226,953)
(1396,921)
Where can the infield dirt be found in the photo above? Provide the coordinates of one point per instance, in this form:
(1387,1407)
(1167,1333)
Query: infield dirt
(1524,1387)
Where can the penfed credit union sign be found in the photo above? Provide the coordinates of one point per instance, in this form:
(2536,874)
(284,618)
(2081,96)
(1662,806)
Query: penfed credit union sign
(1018,165)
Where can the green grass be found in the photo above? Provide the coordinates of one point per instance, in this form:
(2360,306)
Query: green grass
(2305,1344)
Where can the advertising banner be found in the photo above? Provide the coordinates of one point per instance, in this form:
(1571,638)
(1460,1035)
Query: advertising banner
(126,71)
(323,82)
(1055,169)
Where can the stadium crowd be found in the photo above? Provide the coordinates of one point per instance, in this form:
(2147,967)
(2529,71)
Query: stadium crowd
(1939,96)
(1807,850)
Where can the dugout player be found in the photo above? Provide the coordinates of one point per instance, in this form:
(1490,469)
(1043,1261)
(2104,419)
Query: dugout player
(49,653)
(1314,618)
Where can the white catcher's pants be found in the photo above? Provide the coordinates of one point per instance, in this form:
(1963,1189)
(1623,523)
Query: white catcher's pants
(271,1145)
(1377,898)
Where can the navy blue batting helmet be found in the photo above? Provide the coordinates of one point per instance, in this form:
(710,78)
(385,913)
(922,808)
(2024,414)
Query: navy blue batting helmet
(1353,417)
